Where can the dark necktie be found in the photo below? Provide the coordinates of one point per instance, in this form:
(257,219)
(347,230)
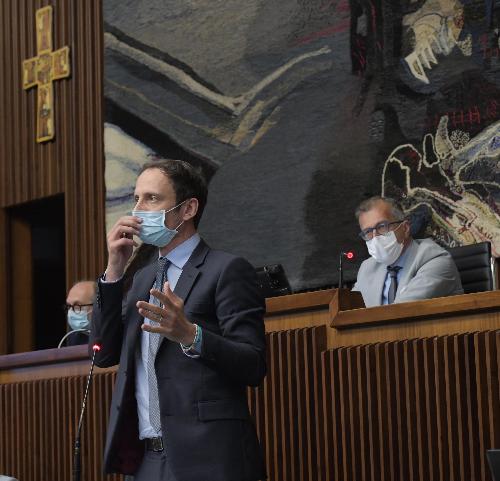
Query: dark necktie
(154,343)
(393,287)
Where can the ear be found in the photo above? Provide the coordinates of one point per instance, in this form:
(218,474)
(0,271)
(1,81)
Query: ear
(407,228)
(190,209)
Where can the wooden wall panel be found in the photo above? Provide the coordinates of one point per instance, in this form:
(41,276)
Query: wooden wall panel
(424,409)
(287,407)
(39,421)
(73,163)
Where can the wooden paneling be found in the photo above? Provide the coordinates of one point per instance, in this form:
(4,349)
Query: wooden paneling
(432,317)
(39,421)
(299,302)
(423,409)
(440,307)
(73,163)
(287,408)
(412,409)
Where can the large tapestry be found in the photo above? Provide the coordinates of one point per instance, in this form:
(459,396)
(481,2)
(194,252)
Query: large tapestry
(298,110)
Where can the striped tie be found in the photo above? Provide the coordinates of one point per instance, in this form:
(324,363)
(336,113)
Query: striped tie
(154,343)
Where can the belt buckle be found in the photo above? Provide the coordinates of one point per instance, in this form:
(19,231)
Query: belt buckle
(156,444)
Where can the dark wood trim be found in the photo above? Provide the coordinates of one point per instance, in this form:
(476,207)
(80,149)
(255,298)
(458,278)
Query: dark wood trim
(47,356)
(299,302)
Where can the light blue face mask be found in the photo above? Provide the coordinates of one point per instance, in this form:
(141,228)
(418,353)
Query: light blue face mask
(153,228)
(78,320)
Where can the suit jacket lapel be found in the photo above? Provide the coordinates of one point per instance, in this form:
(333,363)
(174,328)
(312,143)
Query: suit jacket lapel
(141,287)
(409,271)
(191,271)
(378,283)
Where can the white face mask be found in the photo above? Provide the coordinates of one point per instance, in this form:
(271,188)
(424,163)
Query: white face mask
(385,249)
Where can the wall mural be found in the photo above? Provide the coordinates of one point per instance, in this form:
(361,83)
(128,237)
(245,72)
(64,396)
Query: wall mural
(297,110)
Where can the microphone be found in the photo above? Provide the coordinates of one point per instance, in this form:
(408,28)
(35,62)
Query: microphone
(77,466)
(348,255)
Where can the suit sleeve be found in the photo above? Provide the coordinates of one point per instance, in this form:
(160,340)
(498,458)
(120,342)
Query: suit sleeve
(436,278)
(358,285)
(107,323)
(240,350)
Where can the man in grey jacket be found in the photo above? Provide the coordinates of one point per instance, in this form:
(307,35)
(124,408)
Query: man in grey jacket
(400,268)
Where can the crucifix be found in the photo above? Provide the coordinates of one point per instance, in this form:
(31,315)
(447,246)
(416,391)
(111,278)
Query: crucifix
(42,70)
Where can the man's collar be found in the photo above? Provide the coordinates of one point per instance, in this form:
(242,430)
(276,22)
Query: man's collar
(180,255)
(402,258)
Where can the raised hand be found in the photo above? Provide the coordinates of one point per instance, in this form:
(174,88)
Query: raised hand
(120,245)
(173,324)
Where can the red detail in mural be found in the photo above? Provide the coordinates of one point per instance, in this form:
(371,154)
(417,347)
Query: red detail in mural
(492,110)
(466,117)
(490,49)
(326,32)
(474,116)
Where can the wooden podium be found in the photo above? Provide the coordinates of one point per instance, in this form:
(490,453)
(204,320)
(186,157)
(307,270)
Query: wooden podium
(407,391)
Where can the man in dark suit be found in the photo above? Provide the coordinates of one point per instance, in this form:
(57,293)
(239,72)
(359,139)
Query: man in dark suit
(189,338)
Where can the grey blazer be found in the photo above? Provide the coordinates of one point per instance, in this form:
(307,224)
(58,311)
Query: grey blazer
(429,272)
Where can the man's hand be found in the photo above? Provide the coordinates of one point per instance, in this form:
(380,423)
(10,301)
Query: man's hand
(121,245)
(173,324)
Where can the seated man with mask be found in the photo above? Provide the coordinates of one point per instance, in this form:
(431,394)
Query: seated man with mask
(400,268)
(79,311)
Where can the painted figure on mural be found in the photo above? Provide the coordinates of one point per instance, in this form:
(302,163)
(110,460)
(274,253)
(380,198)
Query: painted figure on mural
(436,117)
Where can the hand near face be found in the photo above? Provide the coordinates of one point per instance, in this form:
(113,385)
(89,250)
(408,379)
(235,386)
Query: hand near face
(120,245)
(173,324)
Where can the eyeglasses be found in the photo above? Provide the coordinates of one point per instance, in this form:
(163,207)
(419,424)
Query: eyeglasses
(76,307)
(382,228)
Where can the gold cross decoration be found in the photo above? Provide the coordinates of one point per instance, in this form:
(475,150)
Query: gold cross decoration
(42,70)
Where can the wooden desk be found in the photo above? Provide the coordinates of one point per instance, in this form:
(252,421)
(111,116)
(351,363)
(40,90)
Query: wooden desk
(393,392)
(411,320)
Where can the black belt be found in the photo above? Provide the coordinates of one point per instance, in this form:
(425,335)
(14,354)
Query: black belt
(154,444)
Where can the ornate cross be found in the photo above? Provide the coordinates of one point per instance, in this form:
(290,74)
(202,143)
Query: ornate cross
(42,70)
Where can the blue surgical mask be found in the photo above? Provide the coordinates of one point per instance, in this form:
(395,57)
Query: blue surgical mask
(153,228)
(78,320)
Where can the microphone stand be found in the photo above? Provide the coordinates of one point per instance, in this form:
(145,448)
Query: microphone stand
(341,256)
(349,255)
(77,459)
